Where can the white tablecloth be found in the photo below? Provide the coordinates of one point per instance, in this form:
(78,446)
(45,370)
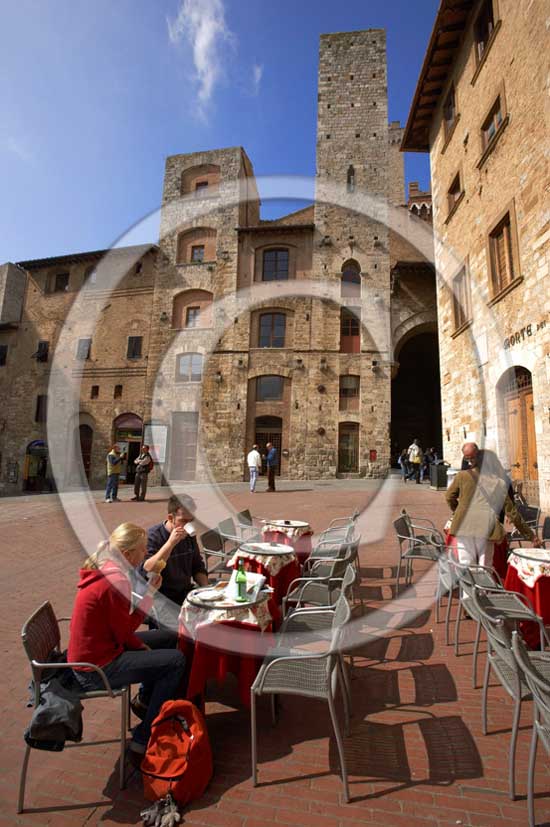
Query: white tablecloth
(529,571)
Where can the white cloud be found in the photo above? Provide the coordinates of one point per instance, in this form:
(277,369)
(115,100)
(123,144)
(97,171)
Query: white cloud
(18,148)
(201,24)
(257,73)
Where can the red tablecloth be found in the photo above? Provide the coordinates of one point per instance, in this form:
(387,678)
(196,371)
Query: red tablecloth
(539,598)
(278,582)
(301,545)
(212,655)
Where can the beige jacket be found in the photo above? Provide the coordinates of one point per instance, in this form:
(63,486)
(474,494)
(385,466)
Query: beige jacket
(473,516)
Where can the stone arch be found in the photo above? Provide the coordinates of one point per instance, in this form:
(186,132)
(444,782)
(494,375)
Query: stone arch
(423,322)
(200,180)
(271,368)
(190,242)
(201,300)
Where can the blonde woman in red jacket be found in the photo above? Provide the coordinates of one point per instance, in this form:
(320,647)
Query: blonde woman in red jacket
(107,612)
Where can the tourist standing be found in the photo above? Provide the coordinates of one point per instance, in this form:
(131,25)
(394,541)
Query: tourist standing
(144,464)
(271,462)
(254,462)
(403,462)
(114,466)
(415,456)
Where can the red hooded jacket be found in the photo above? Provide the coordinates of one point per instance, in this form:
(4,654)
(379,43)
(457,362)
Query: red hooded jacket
(102,625)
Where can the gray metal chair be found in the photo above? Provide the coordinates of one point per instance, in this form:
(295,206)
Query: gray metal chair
(498,626)
(213,546)
(539,684)
(310,674)
(41,641)
(414,547)
(323,584)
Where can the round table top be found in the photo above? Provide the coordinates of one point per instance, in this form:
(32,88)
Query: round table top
(287,523)
(194,598)
(541,555)
(266,549)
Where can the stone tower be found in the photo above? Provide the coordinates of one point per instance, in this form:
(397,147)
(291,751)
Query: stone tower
(353,170)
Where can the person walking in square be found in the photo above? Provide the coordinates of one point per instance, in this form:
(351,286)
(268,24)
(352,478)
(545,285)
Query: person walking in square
(415,456)
(144,464)
(114,465)
(271,461)
(254,462)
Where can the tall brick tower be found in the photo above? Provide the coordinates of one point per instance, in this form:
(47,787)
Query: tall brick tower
(352,246)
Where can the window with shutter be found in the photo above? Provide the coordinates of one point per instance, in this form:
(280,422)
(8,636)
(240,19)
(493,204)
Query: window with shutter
(83,349)
(134,347)
(503,270)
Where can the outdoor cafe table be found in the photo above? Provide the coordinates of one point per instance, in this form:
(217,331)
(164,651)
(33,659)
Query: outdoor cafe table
(295,533)
(278,564)
(223,637)
(529,573)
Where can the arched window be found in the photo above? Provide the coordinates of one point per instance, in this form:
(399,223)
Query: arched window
(189,367)
(351,179)
(269,388)
(275,264)
(351,279)
(200,180)
(192,309)
(196,246)
(272,330)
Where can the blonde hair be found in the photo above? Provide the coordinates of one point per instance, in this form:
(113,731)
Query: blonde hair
(124,538)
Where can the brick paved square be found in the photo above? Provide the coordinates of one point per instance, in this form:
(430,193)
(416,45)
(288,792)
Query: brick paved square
(416,755)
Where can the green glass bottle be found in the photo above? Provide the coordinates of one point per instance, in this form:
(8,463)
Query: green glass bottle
(240,580)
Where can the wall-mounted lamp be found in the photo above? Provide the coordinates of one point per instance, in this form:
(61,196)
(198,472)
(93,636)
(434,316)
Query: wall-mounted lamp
(164,316)
(238,406)
(296,405)
(218,377)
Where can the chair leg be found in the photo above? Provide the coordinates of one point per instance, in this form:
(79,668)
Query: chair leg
(124,716)
(339,744)
(476,652)
(513,742)
(253,737)
(345,696)
(457,626)
(397,578)
(274,698)
(345,676)
(437,604)
(484,696)
(448,616)
(531,777)
(23,779)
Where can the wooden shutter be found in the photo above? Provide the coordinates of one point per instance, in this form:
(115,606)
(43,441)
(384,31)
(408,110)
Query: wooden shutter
(532,467)
(515,437)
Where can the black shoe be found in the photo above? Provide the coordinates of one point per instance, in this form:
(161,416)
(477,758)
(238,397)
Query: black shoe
(138,707)
(135,498)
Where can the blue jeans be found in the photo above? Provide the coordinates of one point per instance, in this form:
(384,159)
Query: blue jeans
(111,492)
(160,671)
(253,477)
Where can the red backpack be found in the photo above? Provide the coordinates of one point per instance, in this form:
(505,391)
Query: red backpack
(178,759)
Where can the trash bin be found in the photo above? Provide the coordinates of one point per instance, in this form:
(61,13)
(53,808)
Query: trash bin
(438,476)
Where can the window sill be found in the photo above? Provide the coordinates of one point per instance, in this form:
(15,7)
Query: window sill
(192,329)
(495,139)
(450,134)
(505,290)
(194,263)
(455,206)
(464,326)
(483,58)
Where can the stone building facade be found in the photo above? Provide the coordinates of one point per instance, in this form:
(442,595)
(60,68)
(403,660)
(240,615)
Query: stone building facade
(482,111)
(290,331)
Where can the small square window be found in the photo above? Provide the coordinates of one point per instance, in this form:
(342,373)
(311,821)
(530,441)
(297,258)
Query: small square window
(449,112)
(492,123)
(3,355)
(94,392)
(61,283)
(454,192)
(201,187)
(83,349)
(117,393)
(134,347)
(197,252)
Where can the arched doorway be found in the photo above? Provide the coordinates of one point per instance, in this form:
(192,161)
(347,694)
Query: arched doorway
(128,430)
(36,472)
(515,389)
(269,429)
(348,447)
(415,395)
(86,437)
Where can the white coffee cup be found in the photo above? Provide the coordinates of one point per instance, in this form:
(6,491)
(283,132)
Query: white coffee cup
(190,529)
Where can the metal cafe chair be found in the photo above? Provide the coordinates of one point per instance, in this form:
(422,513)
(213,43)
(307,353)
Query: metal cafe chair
(212,546)
(498,625)
(539,685)
(41,640)
(413,547)
(309,674)
(323,584)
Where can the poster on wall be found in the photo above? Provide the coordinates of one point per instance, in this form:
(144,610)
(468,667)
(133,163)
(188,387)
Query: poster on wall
(156,436)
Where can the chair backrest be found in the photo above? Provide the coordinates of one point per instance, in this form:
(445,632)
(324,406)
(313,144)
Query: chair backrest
(403,528)
(244,518)
(351,576)
(546,529)
(40,634)
(227,527)
(342,616)
(530,513)
(539,686)
(498,629)
(211,541)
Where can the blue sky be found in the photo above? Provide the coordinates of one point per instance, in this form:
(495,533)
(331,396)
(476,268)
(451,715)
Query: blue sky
(95,96)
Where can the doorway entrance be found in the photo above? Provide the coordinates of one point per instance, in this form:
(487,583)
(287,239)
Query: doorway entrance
(415,396)
(183,450)
(128,430)
(348,447)
(86,436)
(269,429)
(36,472)
(516,389)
